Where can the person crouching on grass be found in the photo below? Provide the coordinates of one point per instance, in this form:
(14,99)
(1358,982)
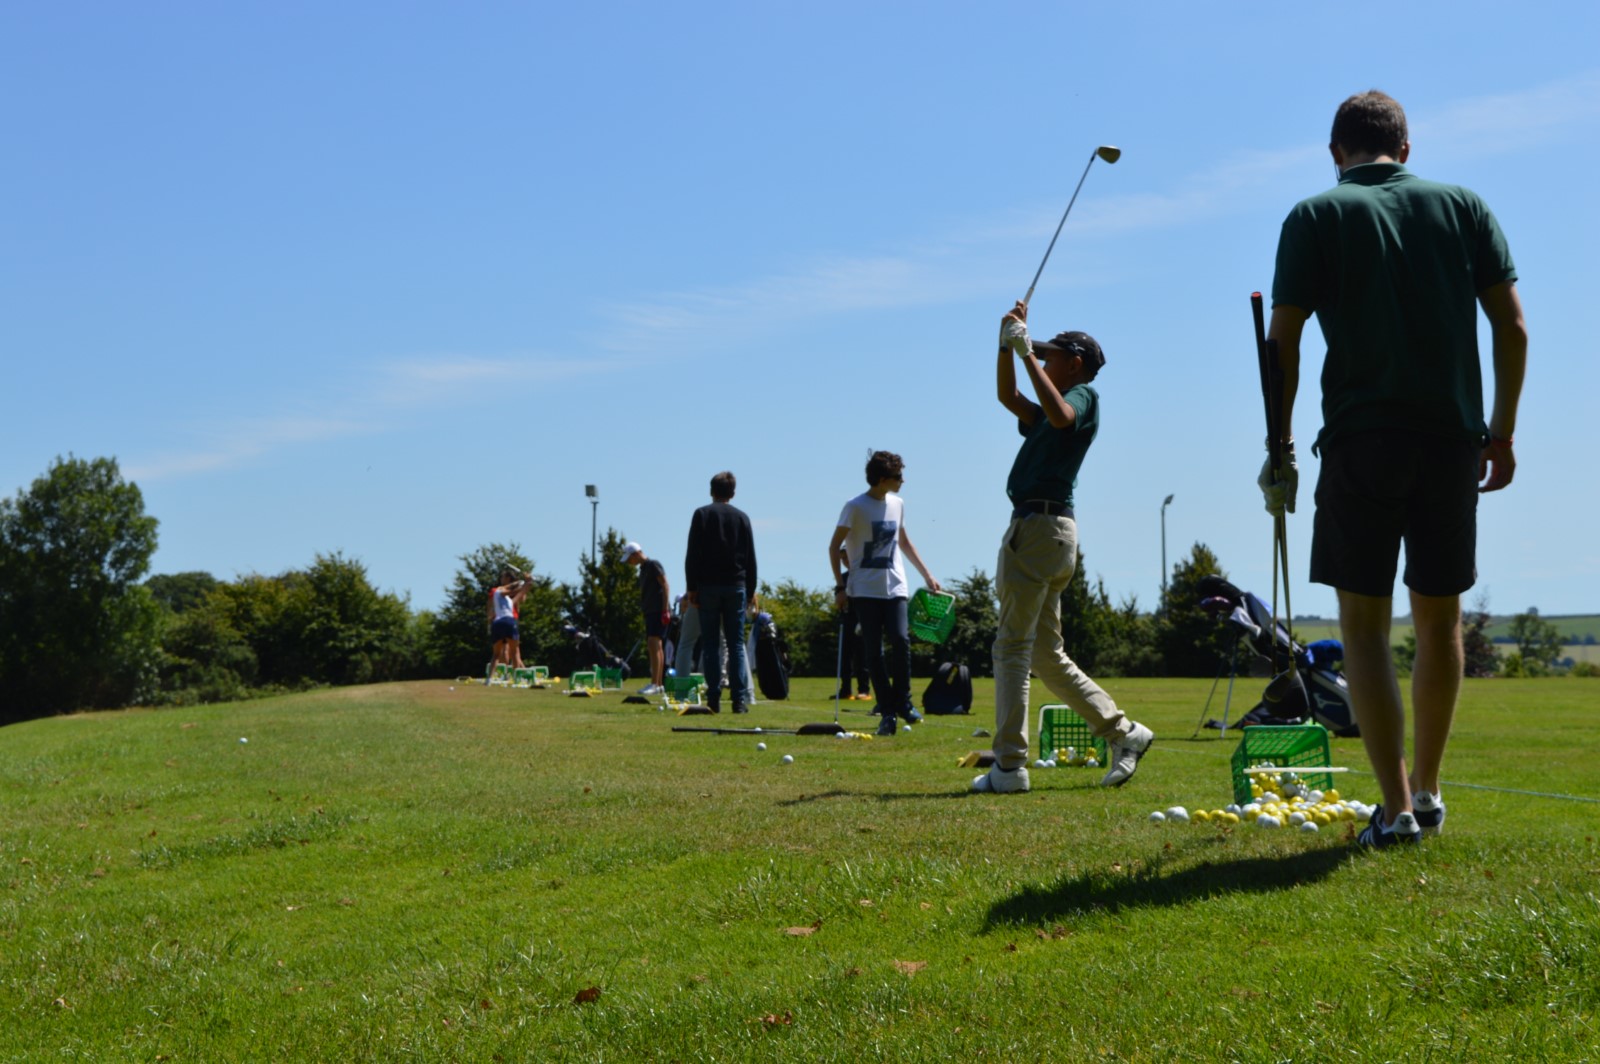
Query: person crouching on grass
(1040,553)
(872,532)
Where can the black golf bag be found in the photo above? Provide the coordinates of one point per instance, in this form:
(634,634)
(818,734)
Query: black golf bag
(949,692)
(772,660)
(1322,694)
(592,653)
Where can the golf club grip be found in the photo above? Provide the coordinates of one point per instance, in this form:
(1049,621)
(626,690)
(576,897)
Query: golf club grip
(1257,312)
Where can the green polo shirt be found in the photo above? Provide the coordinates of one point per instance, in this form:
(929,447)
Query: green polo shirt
(1048,462)
(1392,266)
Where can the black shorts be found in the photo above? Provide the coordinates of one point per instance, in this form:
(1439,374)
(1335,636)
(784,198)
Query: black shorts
(653,625)
(1387,486)
(504,628)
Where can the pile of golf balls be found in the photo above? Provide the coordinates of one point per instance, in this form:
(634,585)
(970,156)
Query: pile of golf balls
(1069,758)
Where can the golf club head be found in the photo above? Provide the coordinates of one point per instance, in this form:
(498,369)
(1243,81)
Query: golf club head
(1108,153)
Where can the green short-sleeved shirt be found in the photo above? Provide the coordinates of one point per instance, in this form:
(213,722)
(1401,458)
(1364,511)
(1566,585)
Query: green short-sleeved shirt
(1048,462)
(1392,266)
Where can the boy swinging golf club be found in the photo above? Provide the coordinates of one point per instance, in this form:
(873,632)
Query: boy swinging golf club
(1040,552)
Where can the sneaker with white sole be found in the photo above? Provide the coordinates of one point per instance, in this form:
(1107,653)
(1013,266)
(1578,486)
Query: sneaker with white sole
(1001,781)
(886,726)
(1428,808)
(1124,754)
(651,689)
(1403,832)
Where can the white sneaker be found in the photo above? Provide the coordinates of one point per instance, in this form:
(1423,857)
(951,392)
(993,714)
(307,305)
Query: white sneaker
(998,781)
(651,689)
(1429,811)
(1124,755)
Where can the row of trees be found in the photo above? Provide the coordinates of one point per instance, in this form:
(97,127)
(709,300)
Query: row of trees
(81,627)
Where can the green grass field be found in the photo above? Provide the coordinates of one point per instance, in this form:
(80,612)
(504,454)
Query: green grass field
(445,872)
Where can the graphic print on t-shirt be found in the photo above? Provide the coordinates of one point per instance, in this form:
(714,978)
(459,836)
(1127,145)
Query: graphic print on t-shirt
(878,553)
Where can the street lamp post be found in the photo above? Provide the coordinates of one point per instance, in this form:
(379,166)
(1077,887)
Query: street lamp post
(1164,504)
(593,495)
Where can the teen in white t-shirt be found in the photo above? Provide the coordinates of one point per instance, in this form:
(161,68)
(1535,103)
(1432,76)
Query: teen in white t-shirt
(872,532)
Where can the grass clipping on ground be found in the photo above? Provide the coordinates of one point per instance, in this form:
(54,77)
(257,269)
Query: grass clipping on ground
(445,871)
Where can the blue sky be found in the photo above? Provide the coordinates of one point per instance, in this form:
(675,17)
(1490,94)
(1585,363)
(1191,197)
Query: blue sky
(400,279)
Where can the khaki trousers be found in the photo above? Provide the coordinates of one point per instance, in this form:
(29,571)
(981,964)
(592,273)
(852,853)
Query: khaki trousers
(1037,560)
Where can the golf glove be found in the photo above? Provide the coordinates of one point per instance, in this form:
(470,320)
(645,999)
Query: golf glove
(1014,334)
(1279,492)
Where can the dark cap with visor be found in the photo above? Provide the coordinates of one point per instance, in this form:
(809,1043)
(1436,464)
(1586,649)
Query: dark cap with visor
(1073,343)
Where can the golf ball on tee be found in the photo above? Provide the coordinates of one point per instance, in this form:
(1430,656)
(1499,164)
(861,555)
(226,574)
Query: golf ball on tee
(788,759)
(761,746)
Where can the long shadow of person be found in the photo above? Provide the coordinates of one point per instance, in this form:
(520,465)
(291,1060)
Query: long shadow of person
(1102,891)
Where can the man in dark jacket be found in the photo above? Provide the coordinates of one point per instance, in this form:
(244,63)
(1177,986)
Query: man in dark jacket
(720,577)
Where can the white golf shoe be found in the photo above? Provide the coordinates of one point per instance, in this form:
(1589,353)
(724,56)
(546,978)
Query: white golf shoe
(1124,754)
(1000,781)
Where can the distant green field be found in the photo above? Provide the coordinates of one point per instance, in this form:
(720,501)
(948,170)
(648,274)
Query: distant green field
(1576,627)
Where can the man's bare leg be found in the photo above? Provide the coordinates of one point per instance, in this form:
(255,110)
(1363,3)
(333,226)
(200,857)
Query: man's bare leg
(1435,684)
(1364,622)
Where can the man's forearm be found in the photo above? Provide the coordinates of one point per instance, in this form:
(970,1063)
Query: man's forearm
(1510,366)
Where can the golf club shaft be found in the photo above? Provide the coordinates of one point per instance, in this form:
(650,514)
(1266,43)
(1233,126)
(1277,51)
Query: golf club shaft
(1029,297)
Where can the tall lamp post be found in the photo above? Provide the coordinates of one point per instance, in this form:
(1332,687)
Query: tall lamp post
(593,495)
(1164,504)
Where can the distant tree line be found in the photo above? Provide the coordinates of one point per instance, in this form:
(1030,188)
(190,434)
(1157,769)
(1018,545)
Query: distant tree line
(82,627)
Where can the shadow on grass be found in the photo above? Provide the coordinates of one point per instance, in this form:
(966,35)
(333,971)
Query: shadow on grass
(938,796)
(1146,886)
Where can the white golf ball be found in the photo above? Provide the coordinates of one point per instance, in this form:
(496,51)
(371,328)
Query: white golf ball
(1093,762)
(1038,762)
(452,688)
(1267,820)
(1298,818)
(1158,817)
(1309,825)
(761,746)
(1178,813)
(758,729)
(242,739)
(1051,763)
(788,759)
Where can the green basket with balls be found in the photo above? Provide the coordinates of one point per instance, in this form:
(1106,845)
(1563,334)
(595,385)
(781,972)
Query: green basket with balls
(609,679)
(932,615)
(1285,748)
(1060,730)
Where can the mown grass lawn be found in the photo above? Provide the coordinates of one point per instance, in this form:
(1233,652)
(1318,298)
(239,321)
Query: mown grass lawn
(438,871)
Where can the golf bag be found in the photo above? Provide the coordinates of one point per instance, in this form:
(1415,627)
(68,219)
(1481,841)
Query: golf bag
(1324,696)
(592,653)
(949,692)
(772,660)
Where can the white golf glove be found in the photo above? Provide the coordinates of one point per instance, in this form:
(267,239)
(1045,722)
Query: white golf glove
(1014,334)
(1279,492)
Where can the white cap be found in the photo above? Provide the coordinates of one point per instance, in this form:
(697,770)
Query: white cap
(629,549)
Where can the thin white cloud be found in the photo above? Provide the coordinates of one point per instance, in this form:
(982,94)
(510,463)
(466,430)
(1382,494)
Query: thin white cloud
(1509,122)
(943,268)
(381,400)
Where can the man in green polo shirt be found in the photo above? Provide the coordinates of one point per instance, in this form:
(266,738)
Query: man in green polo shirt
(1040,553)
(1395,268)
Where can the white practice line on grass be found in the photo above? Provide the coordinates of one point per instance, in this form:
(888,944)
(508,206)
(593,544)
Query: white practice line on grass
(1442,783)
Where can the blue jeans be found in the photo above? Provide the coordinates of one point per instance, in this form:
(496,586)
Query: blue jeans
(722,622)
(890,679)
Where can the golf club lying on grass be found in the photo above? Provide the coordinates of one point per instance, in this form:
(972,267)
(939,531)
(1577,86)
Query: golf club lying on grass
(825,728)
(1110,155)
